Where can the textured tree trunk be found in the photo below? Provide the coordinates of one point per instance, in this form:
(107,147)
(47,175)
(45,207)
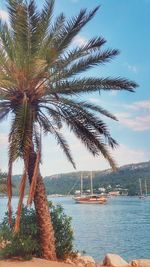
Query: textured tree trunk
(43,214)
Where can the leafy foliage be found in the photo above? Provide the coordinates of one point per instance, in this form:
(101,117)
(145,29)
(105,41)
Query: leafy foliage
(3,182)
(26,243)
(63,231)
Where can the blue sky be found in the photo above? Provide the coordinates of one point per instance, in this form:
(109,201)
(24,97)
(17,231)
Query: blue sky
(125,25)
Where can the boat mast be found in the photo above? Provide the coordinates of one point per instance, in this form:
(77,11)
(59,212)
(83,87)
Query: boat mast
(81,184)
(145,187)
(140,186)
(91,178)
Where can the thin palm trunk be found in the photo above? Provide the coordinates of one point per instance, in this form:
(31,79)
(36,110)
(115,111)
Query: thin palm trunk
(43,214)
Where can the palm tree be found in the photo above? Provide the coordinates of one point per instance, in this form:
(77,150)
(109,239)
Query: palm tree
(41,79)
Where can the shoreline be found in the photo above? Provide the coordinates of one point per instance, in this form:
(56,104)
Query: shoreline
(110,260)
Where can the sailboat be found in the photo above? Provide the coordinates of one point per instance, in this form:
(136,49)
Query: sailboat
(141,196)
(89,199)
(146,195)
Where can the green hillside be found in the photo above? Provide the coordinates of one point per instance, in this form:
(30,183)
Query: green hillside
(126,177)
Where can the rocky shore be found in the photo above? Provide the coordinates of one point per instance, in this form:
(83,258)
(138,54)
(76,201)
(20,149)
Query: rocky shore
(110,260)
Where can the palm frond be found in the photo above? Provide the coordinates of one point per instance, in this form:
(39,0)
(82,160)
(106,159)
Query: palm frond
(98,109)
(21,131)
(87,62)
(4,111)
(49,128)
(88,85)
(80,110)
(73,27)
(64,146)
(6,41)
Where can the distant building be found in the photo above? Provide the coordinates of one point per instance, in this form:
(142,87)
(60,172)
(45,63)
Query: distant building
(102,189)
(77,192)
(124,192)
(88,190)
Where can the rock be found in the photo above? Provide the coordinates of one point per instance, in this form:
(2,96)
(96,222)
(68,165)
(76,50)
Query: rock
(87,259)
(140,263)
(81,261)
(113,260)
(70,261)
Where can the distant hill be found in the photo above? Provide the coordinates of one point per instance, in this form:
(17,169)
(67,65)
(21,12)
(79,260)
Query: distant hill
(126,177)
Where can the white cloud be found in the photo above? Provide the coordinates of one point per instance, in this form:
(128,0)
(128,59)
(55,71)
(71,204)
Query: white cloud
(127,155)
(137,116)
(138,123)
(79,40)
(122,115)
(113,93)
(94,100)
(132,68)
(145,105)
(123,154)
(3,15)
(54,160)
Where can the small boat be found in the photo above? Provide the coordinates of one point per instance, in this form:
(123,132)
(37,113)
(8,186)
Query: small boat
(89,199)
(146,195)
(142,195)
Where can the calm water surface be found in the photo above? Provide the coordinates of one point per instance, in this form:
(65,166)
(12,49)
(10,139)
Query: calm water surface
(122,226)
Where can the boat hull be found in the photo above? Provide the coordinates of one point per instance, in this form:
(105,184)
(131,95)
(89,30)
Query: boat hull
(89,200)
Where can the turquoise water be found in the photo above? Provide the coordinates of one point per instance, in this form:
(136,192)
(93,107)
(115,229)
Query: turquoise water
(122,226)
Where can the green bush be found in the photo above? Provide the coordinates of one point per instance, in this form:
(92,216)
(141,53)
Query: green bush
(26,243)
(63,231)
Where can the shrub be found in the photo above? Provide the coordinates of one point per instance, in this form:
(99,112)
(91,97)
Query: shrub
(63,231)
(26,243)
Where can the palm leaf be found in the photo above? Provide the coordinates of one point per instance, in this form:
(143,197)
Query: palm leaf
(86,85)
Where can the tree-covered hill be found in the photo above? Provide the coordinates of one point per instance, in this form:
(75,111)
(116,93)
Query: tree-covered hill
(126,177)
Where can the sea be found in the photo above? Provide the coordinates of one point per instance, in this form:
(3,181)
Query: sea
(122,226)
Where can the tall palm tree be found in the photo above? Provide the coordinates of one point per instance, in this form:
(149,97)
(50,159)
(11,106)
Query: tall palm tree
(41,80)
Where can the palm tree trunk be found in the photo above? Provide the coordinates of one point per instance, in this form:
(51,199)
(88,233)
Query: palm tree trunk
(43,214)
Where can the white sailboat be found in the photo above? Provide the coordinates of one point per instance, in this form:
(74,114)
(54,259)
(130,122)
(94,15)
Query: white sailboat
(146,195)
(143,195)
(92,198)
